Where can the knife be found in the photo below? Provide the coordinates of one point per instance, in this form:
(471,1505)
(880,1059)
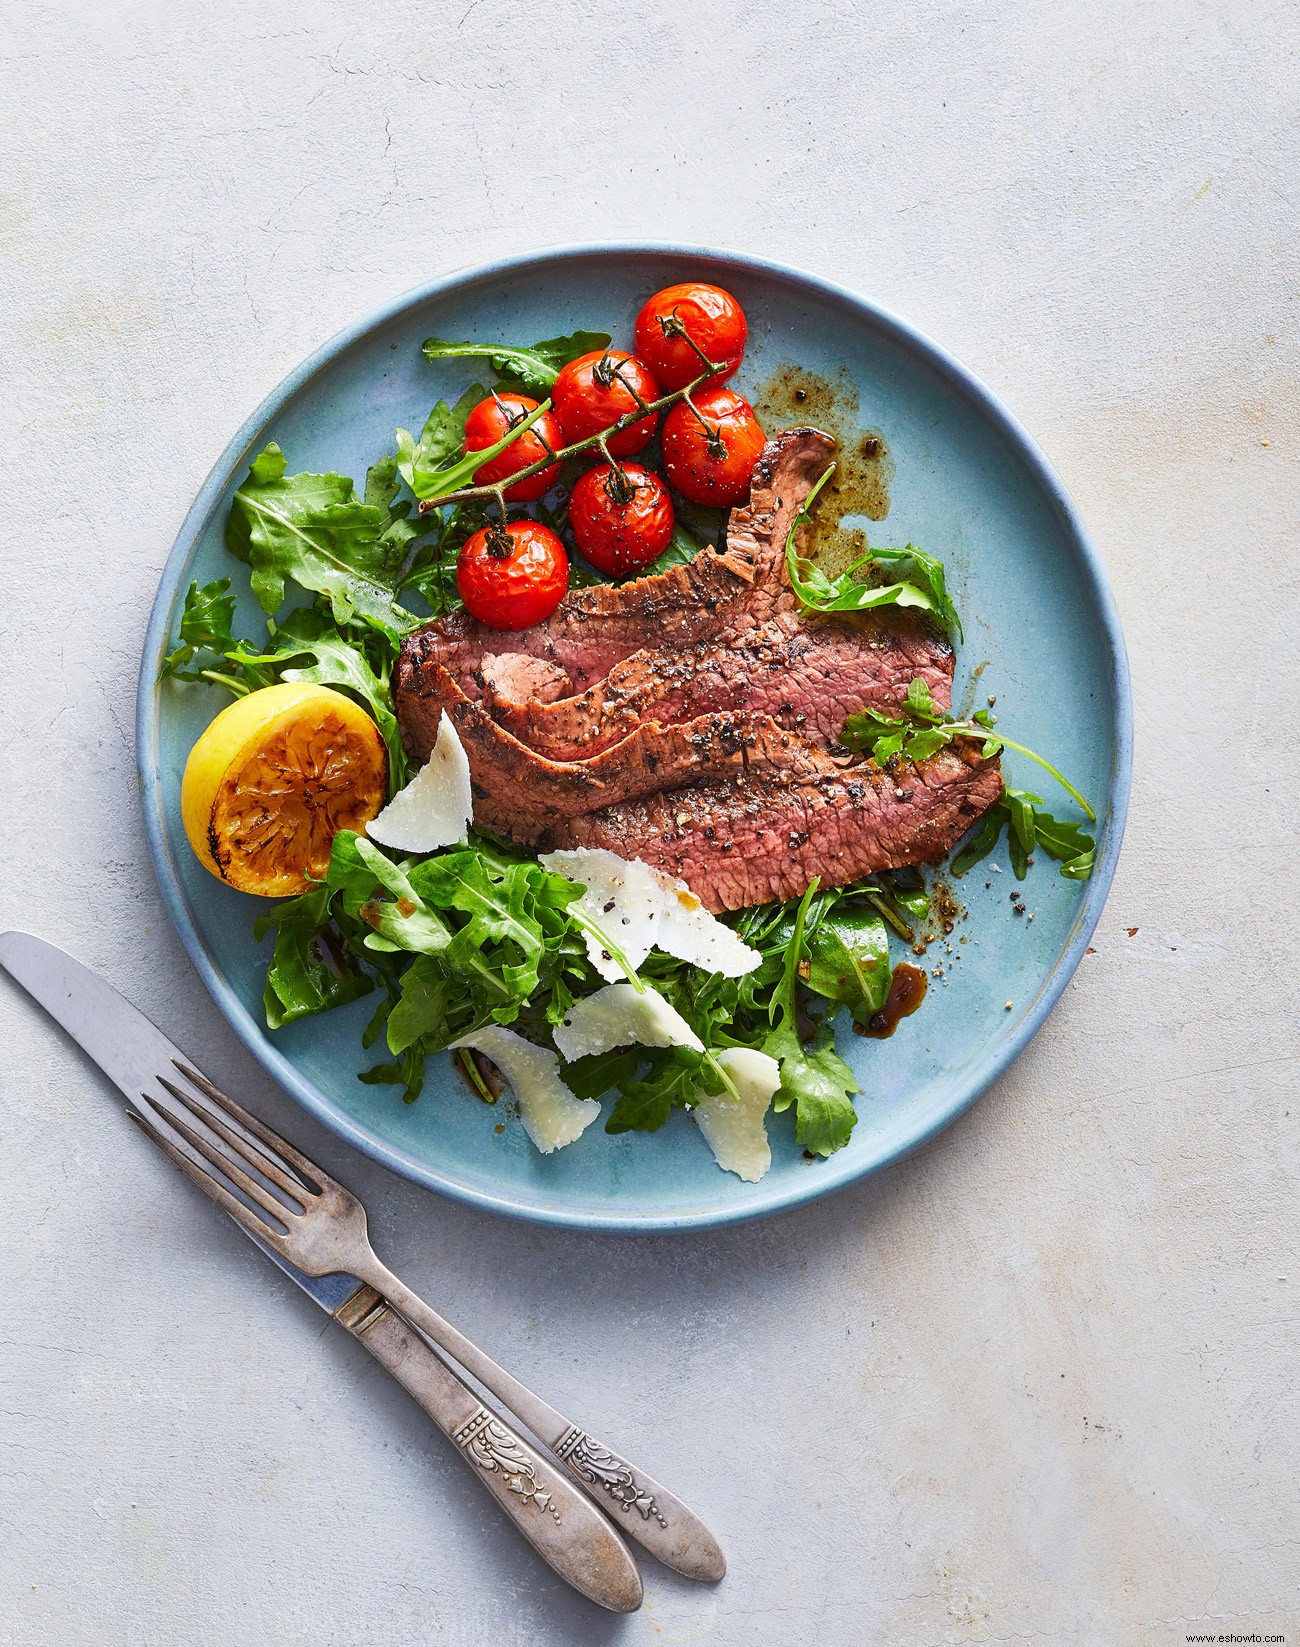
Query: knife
(561,1524)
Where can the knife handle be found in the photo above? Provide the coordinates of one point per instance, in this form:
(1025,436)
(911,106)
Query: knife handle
(565,1529)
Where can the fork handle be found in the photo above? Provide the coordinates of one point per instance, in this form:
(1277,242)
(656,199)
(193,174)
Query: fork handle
(567,1531)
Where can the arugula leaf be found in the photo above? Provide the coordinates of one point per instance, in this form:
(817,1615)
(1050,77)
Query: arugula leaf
(1067,843)
(360,872)
(582,574)
(820,593)
(600,1072)
(1029,827)
(682,548)
(379,1017)
(823,1089)
(815,1079)
(513,944)
(919,570)
(432,569)
(848,960)
(535,368)
(705,521)
(674,1082)
(919,701)
(1032,828)
(981,843)
(514,905)
(644,1106)
(407,1072)
(905,890)
(920,731)
(314,530)
(1020,809)
(435,1007)
(204,627)
(399,531)
(309,971)
(558,1003)
(440,440)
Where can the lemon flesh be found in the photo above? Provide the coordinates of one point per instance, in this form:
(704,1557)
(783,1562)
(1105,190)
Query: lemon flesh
(273,779)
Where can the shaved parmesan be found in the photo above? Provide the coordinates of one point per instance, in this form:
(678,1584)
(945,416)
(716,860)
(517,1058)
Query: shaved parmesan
(643,909)
(436,807)
(733,1126)
(551,1115)
(617,1016)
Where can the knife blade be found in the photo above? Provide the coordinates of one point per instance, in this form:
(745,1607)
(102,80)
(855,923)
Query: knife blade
(131,1050)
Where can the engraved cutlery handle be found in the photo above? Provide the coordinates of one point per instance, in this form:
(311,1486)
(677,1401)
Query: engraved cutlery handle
(643,1510)
(562,1526)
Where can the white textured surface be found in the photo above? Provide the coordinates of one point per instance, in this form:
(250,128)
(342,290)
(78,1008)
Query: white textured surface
(1036,1385)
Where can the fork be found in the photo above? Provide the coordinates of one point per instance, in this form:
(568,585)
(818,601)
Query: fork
(321,1227)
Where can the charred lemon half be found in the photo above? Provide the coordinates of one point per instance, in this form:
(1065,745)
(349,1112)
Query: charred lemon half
(274,778)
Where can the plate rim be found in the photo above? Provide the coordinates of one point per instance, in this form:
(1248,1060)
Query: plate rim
(830,1177)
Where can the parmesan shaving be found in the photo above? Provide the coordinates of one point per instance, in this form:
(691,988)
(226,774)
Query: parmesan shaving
(643,909)
(551,1114)
(435,808)
(619,1016)
(733,1125)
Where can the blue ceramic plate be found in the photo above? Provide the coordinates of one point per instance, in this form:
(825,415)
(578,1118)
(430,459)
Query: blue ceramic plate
(969,486)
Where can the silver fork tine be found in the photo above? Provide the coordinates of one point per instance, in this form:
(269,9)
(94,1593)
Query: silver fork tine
(241,1213)
(226,1164)
(256,1157)
(316,1177)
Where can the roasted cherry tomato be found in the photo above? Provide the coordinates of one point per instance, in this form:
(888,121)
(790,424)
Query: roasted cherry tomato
(708,316)
(710,458)
(514,576)
(596,390)
(490,421)
(622,517)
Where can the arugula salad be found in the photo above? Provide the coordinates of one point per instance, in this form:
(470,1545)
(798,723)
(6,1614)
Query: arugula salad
(484,947)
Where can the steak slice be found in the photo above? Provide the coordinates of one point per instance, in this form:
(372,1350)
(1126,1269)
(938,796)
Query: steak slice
(806,674)
(521,794)
(763,836)
(720,591)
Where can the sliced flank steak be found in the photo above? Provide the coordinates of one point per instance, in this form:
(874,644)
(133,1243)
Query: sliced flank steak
(520,793)
(744,841)
(807,675)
